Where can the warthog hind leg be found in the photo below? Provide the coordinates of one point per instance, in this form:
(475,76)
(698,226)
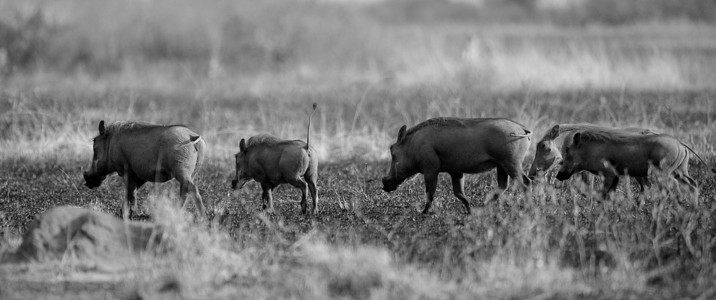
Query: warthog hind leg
(501,178)
(510,171)
(301,185)
(267,197)
(314,193)
(686,179)
(188,189)
(132,184)
(457,189)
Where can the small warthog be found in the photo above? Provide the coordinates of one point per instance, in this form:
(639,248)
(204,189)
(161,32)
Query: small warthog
(612,154)
(457,146)
(549,149)
(142,152)
(272,161)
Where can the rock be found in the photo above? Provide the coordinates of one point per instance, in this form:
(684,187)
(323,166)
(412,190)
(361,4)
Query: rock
(97,238)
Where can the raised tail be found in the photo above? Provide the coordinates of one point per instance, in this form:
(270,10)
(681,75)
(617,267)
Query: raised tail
(198,142)
(308,130)
(192,140)
(713,169)
(200,147)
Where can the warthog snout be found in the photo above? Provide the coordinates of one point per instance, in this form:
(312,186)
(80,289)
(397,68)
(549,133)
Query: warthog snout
(536,175)
(238,184)
(561,176)
(389,185)
(92,181)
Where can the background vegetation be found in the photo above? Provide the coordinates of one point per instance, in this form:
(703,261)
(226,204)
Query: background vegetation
(231,69)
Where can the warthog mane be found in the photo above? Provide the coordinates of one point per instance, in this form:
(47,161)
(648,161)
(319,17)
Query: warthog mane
(605,136)
(263,139)
(123,126)
(448,122)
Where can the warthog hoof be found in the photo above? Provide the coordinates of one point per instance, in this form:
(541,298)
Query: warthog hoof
(428,212)
(267,209)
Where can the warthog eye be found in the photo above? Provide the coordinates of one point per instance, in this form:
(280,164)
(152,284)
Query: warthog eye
(546,146)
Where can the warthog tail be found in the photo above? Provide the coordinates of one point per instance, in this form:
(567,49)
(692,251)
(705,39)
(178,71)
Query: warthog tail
(308,130)
(527,134)
(699,157)
(192,141)
(200,147)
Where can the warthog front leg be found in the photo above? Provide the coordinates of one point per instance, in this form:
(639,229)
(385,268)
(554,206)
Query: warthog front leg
(431,184)
(643,183)
(611,182)
(457,189)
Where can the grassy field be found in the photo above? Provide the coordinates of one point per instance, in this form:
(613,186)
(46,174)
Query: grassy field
(553,242)
(226,72)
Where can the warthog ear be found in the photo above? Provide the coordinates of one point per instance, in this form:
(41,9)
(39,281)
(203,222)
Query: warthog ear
(242,145)
(101,127)
(554,132)
(401,133)
(577,139)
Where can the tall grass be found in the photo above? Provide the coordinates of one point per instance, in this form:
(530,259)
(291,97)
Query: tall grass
(355,122)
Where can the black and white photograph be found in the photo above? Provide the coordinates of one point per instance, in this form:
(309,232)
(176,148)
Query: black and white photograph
(357,149)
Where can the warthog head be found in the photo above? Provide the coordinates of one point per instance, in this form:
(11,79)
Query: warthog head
(546,156)
(572,157)
(242,167)
(401,166)
(100,161)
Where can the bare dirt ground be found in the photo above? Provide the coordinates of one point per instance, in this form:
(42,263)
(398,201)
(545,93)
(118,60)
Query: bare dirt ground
(355,212)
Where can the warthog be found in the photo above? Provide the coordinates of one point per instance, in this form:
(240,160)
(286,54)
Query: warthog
(457,146)
(548,153)
(613,154)
(142,152)
(272,161)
